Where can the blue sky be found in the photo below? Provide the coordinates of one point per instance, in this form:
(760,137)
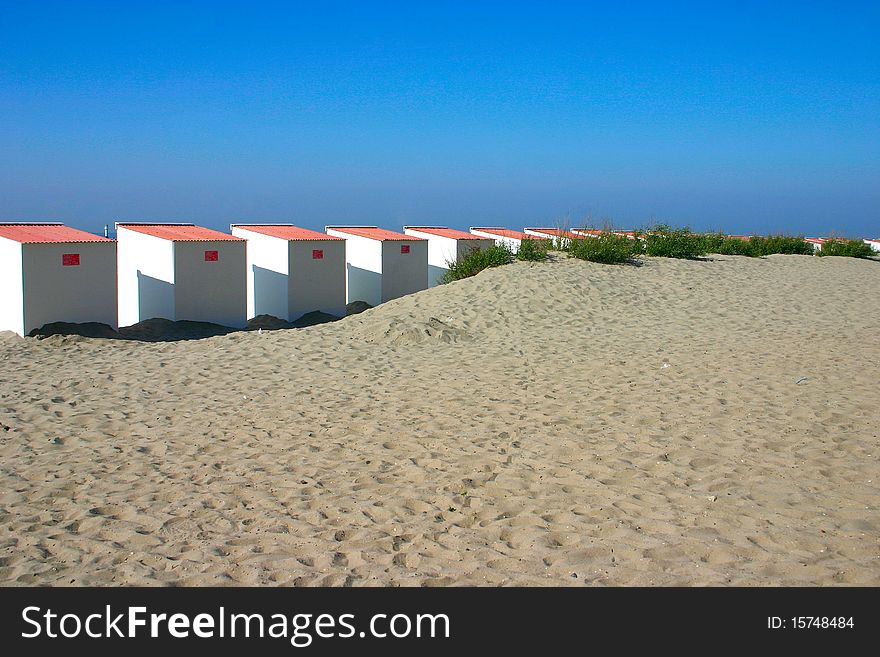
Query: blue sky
(749,117)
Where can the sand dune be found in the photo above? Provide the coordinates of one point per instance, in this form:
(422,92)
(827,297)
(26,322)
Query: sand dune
(567,423)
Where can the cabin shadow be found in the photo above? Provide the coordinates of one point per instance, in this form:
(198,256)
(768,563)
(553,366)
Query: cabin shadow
(364,284)
(155,296)
(159,329)
(156,301)
(435,273)
(270,292)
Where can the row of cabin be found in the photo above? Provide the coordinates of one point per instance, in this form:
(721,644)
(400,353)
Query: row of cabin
(53,273)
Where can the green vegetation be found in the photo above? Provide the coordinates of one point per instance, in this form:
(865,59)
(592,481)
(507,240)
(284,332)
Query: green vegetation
(786,244)
(665,242)
(714,242)
(533,250)
(756,246)
(476,261)
(849,248)
(660,241)
(719,243)
(606,248)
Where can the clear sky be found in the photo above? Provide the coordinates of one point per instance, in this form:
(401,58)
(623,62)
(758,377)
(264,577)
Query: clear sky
(744,116)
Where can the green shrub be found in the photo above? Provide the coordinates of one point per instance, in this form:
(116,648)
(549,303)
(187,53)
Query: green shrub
(737,246)
(533,250)
(606,248)
(665,242)
(849,248)
(476,261)
(724,245)
(785,244)
(713,242)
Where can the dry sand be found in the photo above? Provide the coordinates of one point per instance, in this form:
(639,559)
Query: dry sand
(565,423)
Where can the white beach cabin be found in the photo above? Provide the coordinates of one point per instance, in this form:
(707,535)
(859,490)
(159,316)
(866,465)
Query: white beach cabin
(292,271)
(555,234)
(50,272)
(446,245)
(181,272)
(816,242)
(628,234)
(380,264)
(874,244)
(503,236)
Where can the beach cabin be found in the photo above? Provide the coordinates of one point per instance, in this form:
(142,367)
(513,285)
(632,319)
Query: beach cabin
(503,236)
(50,272)
(292,271)
(817,242)
(874,244)
(446,245)
(380,264)
(181,272)
(558,235)
(587,232)
(596,232)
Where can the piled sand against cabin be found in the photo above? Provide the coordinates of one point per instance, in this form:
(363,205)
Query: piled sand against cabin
(566,423)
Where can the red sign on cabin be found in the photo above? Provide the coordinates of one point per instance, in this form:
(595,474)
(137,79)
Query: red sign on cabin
(317,254)
(70,260)
(211,256)
(404,248)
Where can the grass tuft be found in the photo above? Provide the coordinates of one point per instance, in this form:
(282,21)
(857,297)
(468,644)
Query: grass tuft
(605,248)
(533,250)
(665,242)
(476,261)
(724,245)
(848,248)
(784,244)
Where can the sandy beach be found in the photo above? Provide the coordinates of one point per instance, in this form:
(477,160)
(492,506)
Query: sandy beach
(707,422)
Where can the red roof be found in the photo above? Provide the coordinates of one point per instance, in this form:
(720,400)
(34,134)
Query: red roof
(374,233)
(442,231)
(181,232)
(286,232)
(504,232)
(46,234)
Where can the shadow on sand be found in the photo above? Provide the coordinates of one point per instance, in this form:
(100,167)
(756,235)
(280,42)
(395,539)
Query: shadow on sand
(165,330)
